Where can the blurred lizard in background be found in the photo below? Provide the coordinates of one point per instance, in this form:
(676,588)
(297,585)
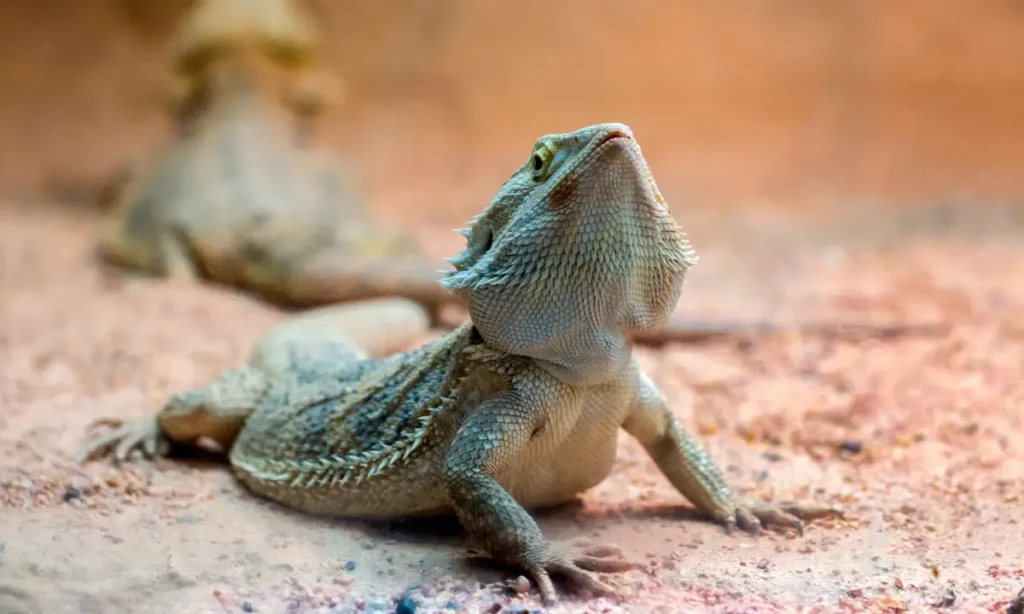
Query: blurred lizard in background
(518,408)
(241,198)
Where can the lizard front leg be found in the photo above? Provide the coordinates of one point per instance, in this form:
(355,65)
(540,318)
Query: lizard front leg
(135,238)
(696,475)
(216,412)
(484,447)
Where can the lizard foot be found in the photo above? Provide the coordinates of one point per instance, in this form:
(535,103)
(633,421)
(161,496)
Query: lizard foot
(751,517)
(139,434)
(577,564)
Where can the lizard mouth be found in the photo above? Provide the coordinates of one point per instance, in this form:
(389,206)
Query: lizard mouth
(614,140)
(612,136)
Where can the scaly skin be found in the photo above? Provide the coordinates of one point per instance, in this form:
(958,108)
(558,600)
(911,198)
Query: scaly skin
(239,197)
(517,409)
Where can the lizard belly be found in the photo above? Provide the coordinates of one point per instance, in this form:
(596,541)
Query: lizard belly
(550,479)
(575,451)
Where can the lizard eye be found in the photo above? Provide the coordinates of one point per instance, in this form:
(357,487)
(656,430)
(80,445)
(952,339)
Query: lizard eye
(540,162)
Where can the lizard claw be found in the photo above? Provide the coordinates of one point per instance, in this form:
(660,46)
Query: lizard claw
(752,517)
(578,565)
(139,434)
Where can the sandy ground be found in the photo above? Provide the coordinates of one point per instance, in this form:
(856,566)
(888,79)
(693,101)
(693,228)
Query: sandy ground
(919,439)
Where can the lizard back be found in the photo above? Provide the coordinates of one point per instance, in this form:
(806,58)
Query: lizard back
(328,445)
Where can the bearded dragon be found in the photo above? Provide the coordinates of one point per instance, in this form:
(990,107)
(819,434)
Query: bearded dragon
(240,197)
(516,409)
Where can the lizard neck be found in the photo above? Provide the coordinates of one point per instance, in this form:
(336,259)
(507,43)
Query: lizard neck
(580,341)
(604,363)
(586,360)
(237,84)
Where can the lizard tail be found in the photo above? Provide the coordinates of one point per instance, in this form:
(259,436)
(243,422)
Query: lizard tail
(679,330)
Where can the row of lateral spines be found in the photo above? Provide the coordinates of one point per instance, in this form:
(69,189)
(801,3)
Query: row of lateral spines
(356,468)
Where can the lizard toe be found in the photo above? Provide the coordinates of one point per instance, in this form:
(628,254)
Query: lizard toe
(97,446)
(577,565)
(789,515)
(604,564)
(600,550)
(606,558)
(548,594)
(748,521)
(582,579)
(142,434)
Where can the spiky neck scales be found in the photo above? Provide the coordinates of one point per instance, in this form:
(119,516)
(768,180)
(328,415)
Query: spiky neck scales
(576,251)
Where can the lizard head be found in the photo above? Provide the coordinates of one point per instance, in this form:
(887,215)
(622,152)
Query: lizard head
(229,36)
(278,27)
(577,250)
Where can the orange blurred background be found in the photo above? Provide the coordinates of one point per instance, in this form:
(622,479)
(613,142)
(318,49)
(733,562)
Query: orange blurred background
(736,103)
